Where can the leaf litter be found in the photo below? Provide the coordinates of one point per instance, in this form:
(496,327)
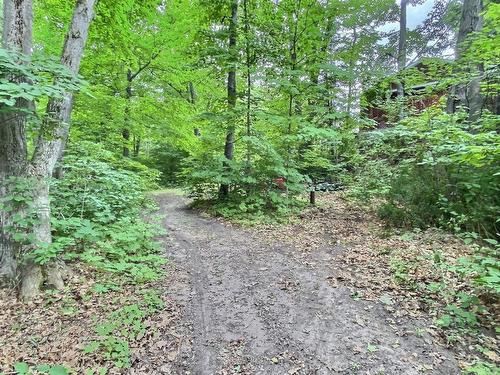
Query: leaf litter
(408,272)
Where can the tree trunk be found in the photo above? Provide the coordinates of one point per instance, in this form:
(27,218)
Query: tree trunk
(231,93)
(293,66)
(127,117)
(401,54)
(126,129)
(137,145)
(192,100)
(352,80)
(17,36)
(192,93)
(468,94)
(402,36)
(312,197)
(50,143)
(249,85)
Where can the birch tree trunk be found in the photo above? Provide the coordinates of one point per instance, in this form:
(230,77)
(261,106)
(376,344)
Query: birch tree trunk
(50,143)
(231,92)
(16,36)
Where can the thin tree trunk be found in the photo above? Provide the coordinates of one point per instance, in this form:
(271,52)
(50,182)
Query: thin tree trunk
(352,63)
(137,145)
(401,54)
(402,36)
(53,134)
(249,85)
(231,93)
(293,64)
(192,100)
(127,117)
(126,129)
(192,93)
(16,36)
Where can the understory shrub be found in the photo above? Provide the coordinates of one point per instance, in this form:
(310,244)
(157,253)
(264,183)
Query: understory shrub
(265,190)
(434,169)
(97,213)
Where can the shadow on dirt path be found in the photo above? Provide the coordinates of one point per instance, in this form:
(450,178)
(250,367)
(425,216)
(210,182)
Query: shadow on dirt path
(251,308)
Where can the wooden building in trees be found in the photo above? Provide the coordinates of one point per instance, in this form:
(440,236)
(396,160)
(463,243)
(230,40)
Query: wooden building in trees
(422,88)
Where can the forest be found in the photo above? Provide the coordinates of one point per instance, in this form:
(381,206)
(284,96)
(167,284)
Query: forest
(250,187)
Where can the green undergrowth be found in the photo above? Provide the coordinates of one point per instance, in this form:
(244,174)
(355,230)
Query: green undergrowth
(109,344)
(99,212)
(460,291)
(103,221)
(254,210)
(439,170)
(114,334)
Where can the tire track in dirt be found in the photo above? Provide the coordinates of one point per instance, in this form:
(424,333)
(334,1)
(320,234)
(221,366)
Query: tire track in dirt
(252,308)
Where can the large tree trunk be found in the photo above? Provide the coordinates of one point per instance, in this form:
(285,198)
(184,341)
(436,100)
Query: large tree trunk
(231,92)
(50,142)
(468,94)
(17,36)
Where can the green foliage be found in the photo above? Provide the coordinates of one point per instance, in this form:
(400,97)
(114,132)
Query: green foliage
(463,314)
(123,326)
(255,192)
(19,202)
(483,368)
(96,213)
(483,266)
(33,77)
(443,173)
(22,368)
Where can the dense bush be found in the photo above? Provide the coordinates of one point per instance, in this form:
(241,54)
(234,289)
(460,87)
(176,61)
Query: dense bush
(97,212)
(168,160)
(255,194)
(435,169)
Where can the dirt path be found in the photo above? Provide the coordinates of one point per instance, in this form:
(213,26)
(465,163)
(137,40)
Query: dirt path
(250,308)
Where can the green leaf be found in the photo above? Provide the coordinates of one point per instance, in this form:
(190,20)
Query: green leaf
(58,370)
(21,368)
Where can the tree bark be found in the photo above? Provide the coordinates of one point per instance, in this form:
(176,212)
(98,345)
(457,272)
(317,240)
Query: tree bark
(249,85)
(468,94)
(401,54)
(126,129)
(402,36)
(293,66)
(352,80)
(50,143)
(16,36)
(192,93)
(137,145)
(231,93)
(192,100)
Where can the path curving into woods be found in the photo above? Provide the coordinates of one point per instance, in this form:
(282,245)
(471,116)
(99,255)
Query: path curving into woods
(246,307)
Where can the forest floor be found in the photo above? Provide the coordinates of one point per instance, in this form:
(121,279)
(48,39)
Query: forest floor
(275,301)
(331,292)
